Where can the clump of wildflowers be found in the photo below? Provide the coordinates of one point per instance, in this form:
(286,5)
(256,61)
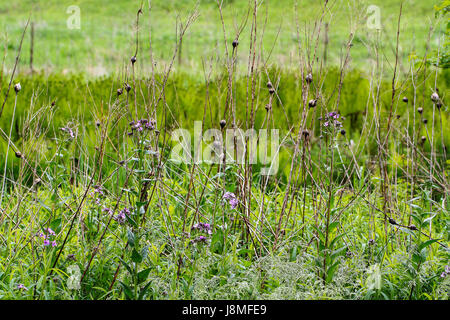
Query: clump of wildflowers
(121,217)
(141,125)
(199,239)
(232,200)
(68,131)
(202,227)
(331,120)
(97,193)
(46,236)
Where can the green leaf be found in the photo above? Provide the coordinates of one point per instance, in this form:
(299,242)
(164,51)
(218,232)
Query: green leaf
(331,270)
(126,266)
(144,290)
(332,226)
(131,238)
(55,225)
(144,252)
(217,242)
(135,256)
(143,275)
(427,243)
(127,290)
(131,221)
(293,255)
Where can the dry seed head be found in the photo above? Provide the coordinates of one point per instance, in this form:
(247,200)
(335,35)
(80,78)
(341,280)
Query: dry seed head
(271,90)
(305,134)
(223,123)
(423,139)
(425,121)
(127,87)
(133,59)
(235,43)
(309,78)
(343,132)
(269,85)
(435,97)
(19,154)
(420,110)
(17,87)
(119,91)
(312,103)
(405,99)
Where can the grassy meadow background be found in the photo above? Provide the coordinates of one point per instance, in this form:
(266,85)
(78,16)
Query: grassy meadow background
(338,190)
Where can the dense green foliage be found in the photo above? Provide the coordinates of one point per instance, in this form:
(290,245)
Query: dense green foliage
(92,205)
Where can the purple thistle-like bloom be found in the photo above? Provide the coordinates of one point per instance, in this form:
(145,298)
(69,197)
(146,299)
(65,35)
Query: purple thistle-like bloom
(325,124)
(205,227)
(443,274)
(447,269)
(21,286)
(142,124)
(333,115)
(234,203)
(46,242)
(229,195)
(231,199)
(50,231)
(68,131)
(121,218)
(54,244)
(122,215)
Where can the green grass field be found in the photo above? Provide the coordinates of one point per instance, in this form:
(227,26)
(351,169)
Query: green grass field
(106,38)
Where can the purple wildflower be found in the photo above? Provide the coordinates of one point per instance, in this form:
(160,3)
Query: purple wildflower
(68,131)
(121,217)
(46,242)
(54,244)
(22,287)
(229,195)
(233,203)
(50,231)
(204,227)
(231,199)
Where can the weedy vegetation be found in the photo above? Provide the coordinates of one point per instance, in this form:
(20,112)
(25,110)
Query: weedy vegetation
(93,207)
